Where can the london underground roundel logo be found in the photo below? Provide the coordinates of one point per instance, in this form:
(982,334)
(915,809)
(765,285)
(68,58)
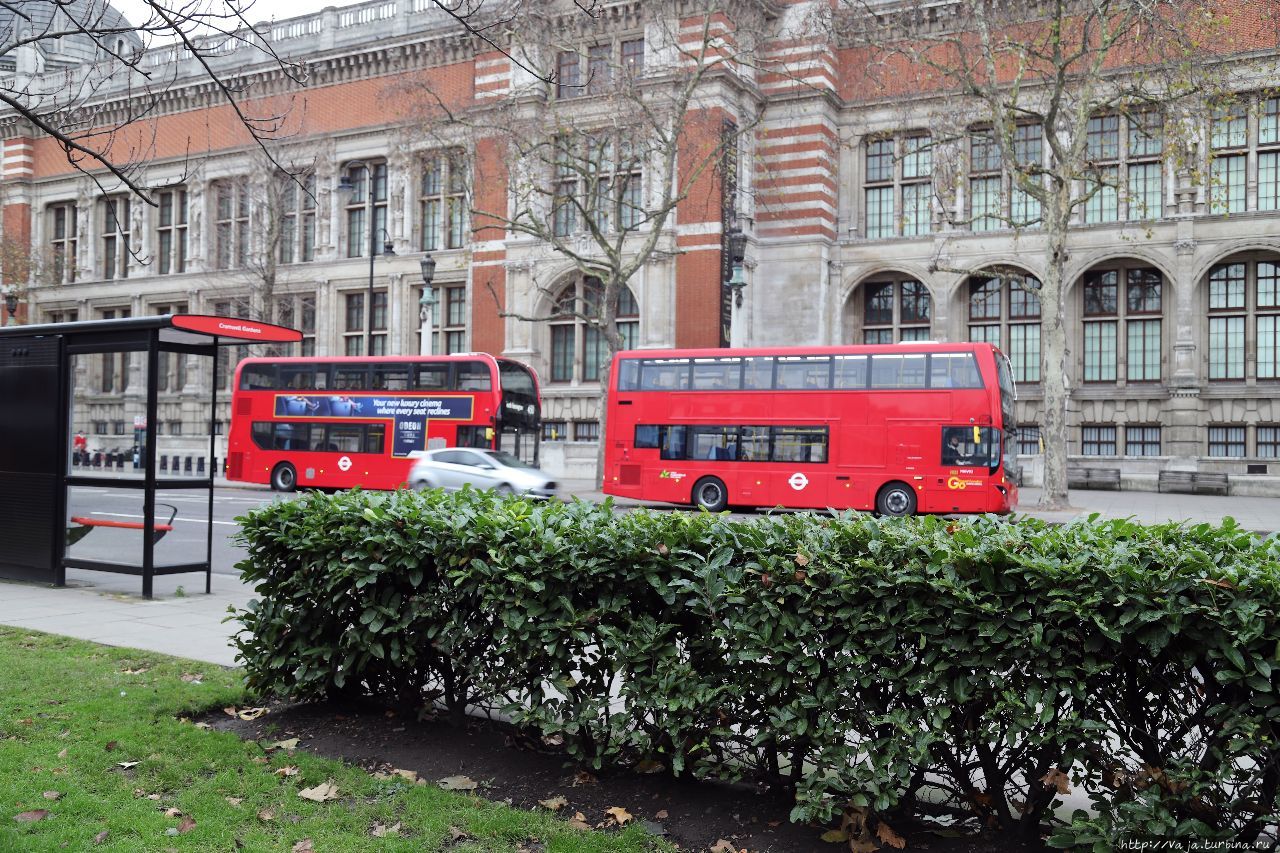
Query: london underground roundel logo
(798,481)
(344,463)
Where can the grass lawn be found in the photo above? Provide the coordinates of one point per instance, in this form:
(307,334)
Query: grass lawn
(92,735)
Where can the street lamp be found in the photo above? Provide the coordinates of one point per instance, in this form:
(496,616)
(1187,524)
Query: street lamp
(345,186)
(11,303)
(737,248)
(427,304)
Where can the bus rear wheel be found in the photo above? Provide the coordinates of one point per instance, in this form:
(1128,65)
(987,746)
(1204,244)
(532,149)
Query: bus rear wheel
(284,478)
(710,494)
(896,499)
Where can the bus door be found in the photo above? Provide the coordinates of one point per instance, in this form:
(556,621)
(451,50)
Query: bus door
(966,455)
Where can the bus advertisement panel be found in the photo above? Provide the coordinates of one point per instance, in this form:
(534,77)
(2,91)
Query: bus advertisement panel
(343,422)
(898,428)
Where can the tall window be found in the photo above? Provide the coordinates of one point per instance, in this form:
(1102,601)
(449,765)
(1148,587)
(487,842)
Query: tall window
(1269,154)
(450,334)
(600,176)
(1144,165)
(896,311)
(1122,313)
(298,311)
(1244,309)
(115,237)
(1229,144)
(1268,441)
(605,64)
(358,207)
(63,241)
(171,232)
(171,374)
(231,200)
(1102,148)
(297,218)
(1226,440)
(1028,153)
(995,199)
(442,202)
(1029,443)
(353,324)
(571,328)
(113,373)
(1005,311)
(985,205)
(899,173)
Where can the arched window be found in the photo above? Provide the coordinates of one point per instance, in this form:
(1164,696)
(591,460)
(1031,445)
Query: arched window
(1005,310)
(577,347)
(895,311)
(1122,310)
(1244,309)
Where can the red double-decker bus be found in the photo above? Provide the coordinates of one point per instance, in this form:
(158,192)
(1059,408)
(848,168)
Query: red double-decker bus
(351,421)
(898,428)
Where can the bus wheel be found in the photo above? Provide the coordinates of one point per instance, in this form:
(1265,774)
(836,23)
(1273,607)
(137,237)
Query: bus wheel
(710,494)
(284,478)
(896,499)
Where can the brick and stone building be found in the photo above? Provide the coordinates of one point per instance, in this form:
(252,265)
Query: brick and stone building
(1174,306)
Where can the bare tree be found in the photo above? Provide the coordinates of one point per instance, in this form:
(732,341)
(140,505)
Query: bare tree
(998,67)
(595,168)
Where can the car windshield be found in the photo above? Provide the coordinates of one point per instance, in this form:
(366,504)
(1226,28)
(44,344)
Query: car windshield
(502,457)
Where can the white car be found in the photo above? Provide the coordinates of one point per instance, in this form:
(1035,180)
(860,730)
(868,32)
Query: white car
(453,467)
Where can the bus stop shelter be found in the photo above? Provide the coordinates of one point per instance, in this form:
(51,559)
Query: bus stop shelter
(40,523)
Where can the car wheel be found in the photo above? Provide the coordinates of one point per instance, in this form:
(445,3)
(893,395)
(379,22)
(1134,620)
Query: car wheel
(503,490)
(421,485)
(896,499)
(284,478)
(710,494)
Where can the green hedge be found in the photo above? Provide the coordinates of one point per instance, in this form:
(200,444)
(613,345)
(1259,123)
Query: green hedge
(970,670)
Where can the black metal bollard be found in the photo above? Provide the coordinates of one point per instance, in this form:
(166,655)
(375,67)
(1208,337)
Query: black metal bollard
(120,460)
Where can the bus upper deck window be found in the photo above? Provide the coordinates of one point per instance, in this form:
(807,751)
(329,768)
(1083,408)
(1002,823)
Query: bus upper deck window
(431,377)
(474,376)
(629,374)
(258,377)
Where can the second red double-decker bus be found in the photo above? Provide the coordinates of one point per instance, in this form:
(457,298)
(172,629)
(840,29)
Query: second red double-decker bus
(350,421)
(898,428)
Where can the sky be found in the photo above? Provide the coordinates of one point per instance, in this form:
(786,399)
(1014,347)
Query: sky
(261,10)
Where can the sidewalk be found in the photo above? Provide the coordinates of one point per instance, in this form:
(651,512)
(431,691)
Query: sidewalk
(108,609)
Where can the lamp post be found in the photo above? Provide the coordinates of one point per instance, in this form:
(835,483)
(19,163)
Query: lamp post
(427,304)
(345,185)
(737,246)
(11,303)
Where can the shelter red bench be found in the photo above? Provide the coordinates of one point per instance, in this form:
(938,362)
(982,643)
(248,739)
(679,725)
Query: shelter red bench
(88,523)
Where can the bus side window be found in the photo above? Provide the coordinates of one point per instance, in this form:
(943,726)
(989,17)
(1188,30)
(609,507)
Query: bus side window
(375,439)
(629,374)
(673,445)
(474,376)
(431,377)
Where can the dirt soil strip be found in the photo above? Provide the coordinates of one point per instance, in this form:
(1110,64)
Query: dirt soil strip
(698,814)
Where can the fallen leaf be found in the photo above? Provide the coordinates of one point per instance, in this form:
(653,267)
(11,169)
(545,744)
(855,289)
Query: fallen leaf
(203,726)
(380,831)
(137,671)
(801,575)
(235,801)
(555,803)
(193,678)
(230,711)
(582,777)
(650,766)
(289,744)
(31,816)
(320,793)
(53,795)
(101,837)
(251,713)
(834,836)
(111,746)
(62,754)
(1055,778)
(173,812)
(457,783)
(723,846)
(411,775)
(456,834)
(287,771)
(886,834)
(620,816)
(303,846)
(579,821)
(801,560)
(126,765)
(662,815)
(186,825)
(266,814)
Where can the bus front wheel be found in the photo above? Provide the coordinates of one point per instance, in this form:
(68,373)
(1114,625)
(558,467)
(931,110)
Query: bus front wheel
(284,478)
(896,499)
(710,494)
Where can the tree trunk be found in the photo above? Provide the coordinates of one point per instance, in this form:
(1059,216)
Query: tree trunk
(1053,358)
